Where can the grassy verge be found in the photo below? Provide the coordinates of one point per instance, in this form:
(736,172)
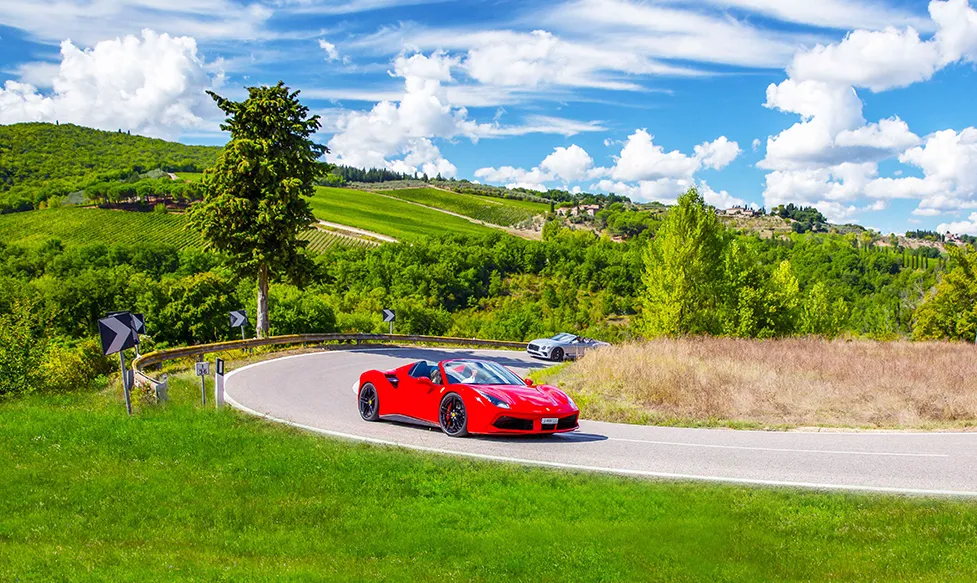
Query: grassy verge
(776,384)
(380,214)
(185,494)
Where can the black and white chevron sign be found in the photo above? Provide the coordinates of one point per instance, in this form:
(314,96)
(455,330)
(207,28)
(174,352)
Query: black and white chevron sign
(389,315)
(139,323)
(116,332)
(239,318)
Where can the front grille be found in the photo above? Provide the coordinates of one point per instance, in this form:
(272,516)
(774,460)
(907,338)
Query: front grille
(513,424)
(534,347)
(567,422)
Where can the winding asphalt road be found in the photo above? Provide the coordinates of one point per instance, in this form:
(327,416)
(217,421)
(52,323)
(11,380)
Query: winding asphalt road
(315,392)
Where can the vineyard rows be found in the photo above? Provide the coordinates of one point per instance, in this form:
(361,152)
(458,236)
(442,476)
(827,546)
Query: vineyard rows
(320,240)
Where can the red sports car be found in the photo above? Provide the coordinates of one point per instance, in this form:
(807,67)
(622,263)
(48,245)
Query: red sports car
(465,396)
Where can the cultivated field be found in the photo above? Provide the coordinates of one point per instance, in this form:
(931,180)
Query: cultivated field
(320,240)
(380,214)
(498,211)
(82,226)
(778,383)
(78,226)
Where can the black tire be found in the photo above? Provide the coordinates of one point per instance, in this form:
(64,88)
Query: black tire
(557,354)
(369,402)
(452,416)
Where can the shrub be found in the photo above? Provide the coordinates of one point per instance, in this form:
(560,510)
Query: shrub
(21,352)
(69,367)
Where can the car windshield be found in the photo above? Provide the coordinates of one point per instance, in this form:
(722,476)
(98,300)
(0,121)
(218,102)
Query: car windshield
(564,337)
(480,372)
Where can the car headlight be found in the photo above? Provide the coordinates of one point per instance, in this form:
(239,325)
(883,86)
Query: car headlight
(572,403)
(494,400)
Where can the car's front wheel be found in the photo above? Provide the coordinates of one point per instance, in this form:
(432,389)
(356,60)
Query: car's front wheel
(452,416)
(369,403)
(557,354)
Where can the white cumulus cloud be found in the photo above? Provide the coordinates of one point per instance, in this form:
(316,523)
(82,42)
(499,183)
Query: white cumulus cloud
(830,156)
(398,134)
(569,164)
(968,227)
(152,84)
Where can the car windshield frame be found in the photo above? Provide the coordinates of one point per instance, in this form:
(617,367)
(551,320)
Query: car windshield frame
(564,337)
(486,373)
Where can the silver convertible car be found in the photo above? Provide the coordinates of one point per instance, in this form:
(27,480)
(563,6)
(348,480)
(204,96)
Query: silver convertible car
(562,346)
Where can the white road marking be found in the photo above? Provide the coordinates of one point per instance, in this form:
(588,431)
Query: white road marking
(619,471)
(560,465)
(788,450)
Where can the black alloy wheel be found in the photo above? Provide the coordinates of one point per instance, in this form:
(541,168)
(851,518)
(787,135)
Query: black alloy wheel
(452,416)
(369,403)
(557,354)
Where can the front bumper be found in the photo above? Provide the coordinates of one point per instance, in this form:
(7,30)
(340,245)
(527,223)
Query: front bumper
(531,423)
(539,351)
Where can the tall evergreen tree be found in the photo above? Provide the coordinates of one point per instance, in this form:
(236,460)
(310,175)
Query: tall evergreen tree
(255,206)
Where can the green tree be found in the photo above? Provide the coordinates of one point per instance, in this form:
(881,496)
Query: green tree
(951,312)
(683,274)
(254,206)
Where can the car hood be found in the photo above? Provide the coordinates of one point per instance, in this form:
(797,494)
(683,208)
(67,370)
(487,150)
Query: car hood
(546,342)
(539,396)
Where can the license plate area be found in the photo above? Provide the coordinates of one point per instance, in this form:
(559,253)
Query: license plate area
(549,421)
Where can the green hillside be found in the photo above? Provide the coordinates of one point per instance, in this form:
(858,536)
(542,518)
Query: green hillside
(41,160)
(380,214)
(497,211)
(78,226)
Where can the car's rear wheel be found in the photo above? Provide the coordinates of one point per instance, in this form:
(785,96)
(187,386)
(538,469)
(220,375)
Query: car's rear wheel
(369,403)
(452,416)
(557,354)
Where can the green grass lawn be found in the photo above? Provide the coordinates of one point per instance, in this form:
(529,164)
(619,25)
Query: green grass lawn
(77,225)
(191,176)
(370,211)
(187,494)
(498,211)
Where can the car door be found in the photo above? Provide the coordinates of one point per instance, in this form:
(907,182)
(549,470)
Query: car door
(574,349)
(415,391)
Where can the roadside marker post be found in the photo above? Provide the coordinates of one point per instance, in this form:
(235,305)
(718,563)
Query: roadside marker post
(163,389)
(117,334)
(219,383)
(203,369)
(389,316)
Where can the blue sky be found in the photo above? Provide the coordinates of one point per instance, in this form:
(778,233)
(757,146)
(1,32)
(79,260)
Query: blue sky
(862,108)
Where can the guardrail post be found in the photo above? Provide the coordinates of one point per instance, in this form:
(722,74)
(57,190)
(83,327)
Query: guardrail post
(163,389)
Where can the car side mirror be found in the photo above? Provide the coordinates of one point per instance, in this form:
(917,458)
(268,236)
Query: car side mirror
(426,382)
(529,382)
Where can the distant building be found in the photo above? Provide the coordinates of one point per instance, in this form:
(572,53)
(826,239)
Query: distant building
(739,211)
(588,209)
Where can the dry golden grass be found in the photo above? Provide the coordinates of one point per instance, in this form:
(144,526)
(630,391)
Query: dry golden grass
(778,383)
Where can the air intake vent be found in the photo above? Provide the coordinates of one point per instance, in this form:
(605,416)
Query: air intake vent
(513,424)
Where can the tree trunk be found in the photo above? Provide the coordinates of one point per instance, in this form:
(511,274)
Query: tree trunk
(262,326)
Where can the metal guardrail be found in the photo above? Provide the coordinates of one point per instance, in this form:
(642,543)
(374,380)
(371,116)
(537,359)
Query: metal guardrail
(153,358)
